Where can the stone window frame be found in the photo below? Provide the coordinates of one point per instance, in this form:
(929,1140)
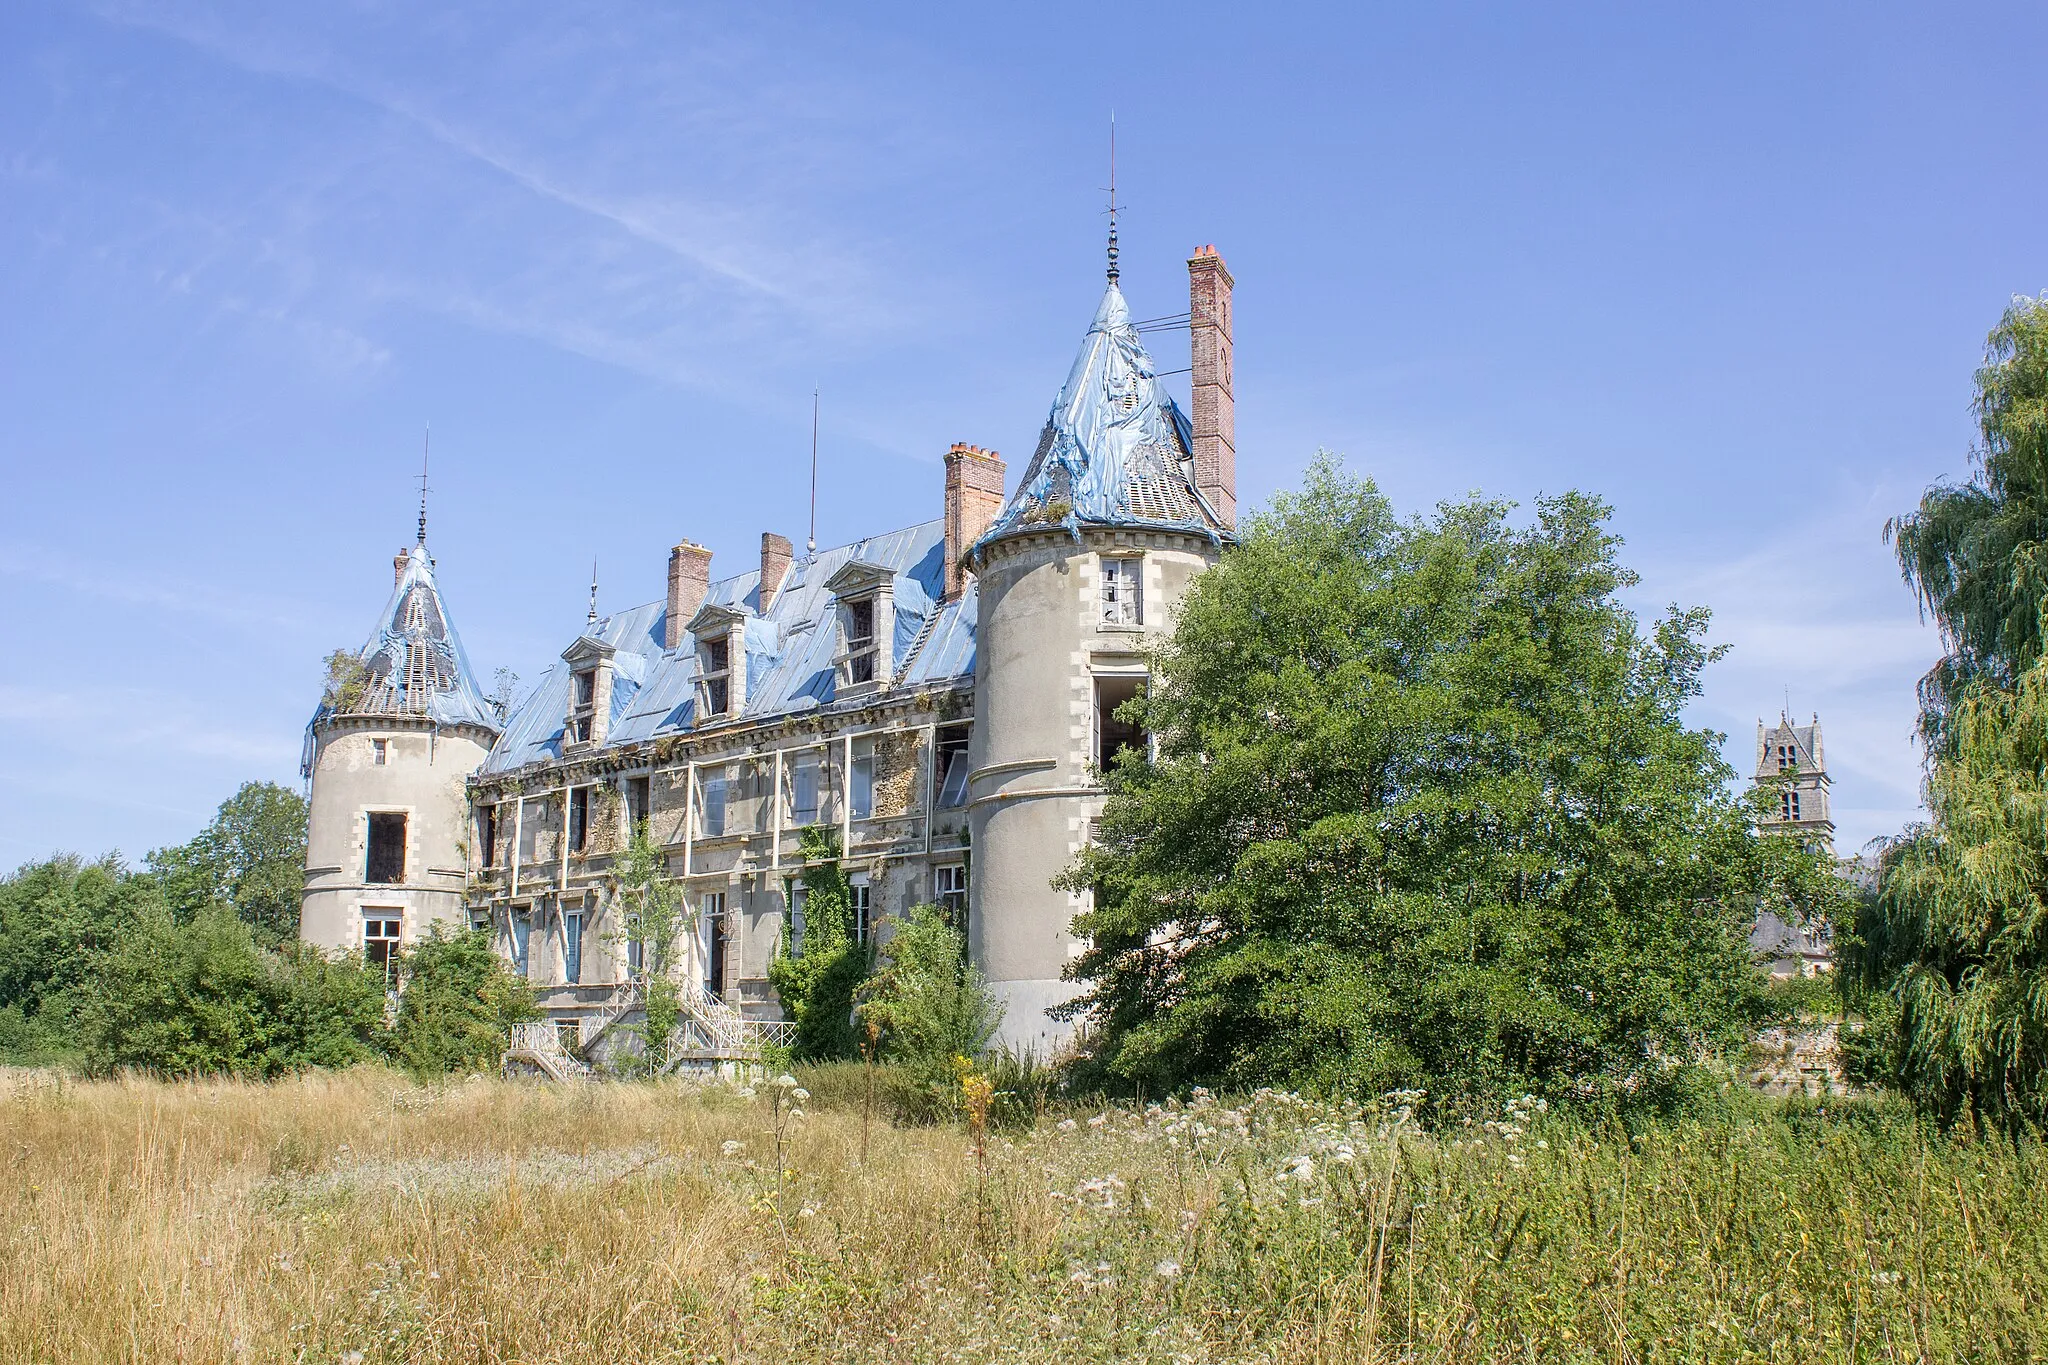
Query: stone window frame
(724,629)
(1120,591)
(863,663)
(952,898)
(587,715)
(392,943)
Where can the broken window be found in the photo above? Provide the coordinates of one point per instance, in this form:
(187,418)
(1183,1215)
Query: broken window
(712,914)
(715,664)
(951,765)
(522,934)
(380,751)
(712,812)
(385,860)
(572,945)
(803,790)
(1112,734)
(583,706)
(487,835)
(637,798)
(636,956)
(1123,591)
(949,891)
(381,934)
(579,818)
(861,790)
(860,640)
(863,915)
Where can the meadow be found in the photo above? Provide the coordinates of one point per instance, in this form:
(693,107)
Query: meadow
(358,1217)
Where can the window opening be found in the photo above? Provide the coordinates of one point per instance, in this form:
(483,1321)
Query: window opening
(381,935)
(572,946)
(803,782)
(522,933)
(380,751)
(713,810)
(952,767)
(638,790)
(717,676)
(860,640)
(794,894)
(1123,592)
(385,860)
(636,956)
(1112,734)
(863,921)
(713,915)
(862,787)
(579,818)
(487,835)
(949,889)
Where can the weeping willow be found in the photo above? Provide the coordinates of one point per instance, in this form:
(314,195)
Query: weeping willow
(1958,934)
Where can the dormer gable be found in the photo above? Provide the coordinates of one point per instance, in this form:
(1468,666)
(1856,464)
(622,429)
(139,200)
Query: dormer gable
(864,598)
(590,691)
(720,635)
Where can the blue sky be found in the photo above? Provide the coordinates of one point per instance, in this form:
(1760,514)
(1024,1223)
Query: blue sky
(1728,266)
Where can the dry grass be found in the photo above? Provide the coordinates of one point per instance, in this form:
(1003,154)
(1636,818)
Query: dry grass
(347,1217)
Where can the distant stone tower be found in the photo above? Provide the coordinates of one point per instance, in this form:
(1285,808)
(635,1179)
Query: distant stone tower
(1124,503)
(386,834)
(1791,767)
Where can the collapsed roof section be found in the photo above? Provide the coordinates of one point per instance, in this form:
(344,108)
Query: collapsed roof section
(414,664)
(1116,451)
(790,655)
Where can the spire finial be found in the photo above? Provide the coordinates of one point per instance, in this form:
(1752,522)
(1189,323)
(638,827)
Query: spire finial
(425,449)
(592,618)
(811,544)
(1113,272)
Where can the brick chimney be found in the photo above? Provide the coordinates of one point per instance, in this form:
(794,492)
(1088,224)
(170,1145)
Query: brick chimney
(775,557)
(398,567)
(974,496)
(1215,415)
(689,578)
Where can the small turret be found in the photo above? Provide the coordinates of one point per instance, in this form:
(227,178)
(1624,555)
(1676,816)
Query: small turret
(401,727)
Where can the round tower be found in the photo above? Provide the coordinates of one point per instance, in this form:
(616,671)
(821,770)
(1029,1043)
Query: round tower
(1086,564)
(401,728)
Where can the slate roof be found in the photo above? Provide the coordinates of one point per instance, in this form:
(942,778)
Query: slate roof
(1116,449)
(790,650)
(414,659)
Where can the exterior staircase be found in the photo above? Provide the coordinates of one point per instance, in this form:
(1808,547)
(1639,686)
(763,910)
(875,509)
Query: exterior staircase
(711,1032)
(539,1045)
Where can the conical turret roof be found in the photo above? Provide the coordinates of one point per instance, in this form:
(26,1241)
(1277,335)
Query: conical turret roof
(1116,450)
(413,663)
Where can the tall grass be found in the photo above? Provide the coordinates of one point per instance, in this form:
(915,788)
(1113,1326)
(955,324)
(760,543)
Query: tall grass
(357,1216)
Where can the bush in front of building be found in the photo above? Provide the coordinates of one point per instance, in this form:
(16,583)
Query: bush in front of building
(815,976)
(460,1003)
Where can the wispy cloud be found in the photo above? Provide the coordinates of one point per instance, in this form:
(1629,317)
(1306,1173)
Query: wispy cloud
(101,720)
(152,589)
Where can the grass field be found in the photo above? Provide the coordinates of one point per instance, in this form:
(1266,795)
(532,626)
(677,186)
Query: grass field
(361,1218)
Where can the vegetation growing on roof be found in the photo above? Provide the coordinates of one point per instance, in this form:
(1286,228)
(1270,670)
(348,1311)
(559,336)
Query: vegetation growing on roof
(347,682)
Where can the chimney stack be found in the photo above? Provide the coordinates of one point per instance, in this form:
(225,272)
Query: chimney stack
(775,557)
(398,567)
(689,578)
(974,497)
(1215,414)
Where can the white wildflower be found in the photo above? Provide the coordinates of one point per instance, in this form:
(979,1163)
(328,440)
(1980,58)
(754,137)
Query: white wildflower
(731,1147)
(1167,1270)
(1300,1167)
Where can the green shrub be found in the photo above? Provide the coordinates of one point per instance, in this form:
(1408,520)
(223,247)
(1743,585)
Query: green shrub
(816,979)
(460,1002)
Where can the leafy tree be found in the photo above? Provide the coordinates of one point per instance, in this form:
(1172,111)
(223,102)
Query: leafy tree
(347,679)
(251,858)
(652,913)
(816,979)
(55,915)
(203,997)
(1955,945)
(1424,814)
(928,1002)
(458,1006)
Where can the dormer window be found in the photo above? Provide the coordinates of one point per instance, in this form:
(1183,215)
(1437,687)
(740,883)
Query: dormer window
(866,594)
(1123,591)
(715,659)
(860,640)
(721,636)
(590,690)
